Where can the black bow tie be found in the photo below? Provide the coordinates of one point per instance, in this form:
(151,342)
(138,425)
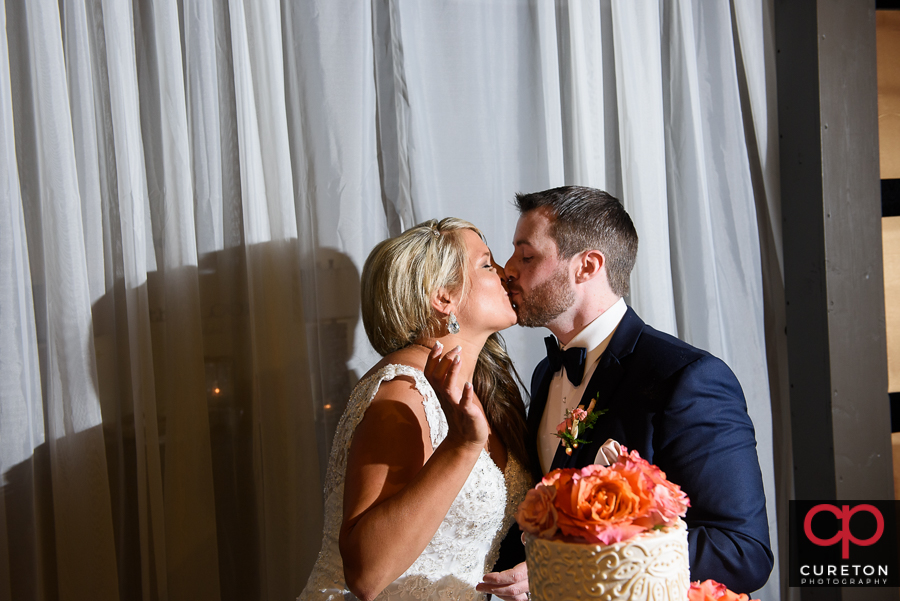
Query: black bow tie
(572,359)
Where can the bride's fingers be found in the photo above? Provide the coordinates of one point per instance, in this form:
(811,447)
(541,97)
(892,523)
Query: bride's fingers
(452,375)
(434,359)
(445,367)
(468,397)
(437,364)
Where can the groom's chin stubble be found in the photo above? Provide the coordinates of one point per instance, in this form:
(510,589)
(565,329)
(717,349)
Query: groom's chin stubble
(545,303)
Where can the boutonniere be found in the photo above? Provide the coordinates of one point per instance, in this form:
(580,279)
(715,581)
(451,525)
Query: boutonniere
(576,422)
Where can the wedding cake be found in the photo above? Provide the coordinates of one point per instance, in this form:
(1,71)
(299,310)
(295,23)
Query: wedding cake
(652,565)
(606,532)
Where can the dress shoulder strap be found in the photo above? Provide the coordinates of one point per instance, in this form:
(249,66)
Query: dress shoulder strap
(359,402)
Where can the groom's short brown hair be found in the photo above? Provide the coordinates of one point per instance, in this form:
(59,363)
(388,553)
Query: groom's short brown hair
(589,219)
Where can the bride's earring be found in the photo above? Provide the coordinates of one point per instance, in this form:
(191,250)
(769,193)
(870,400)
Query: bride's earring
(452,324)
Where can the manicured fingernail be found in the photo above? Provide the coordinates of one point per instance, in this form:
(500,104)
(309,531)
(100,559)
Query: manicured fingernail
(439,345)
(456,359)
(458,349)
(468,386)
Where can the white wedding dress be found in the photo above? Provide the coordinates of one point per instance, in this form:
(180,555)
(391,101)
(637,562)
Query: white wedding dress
(467,542)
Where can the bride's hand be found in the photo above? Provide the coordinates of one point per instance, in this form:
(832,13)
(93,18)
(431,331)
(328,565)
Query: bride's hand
(466,422)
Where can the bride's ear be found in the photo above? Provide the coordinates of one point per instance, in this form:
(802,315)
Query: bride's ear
(442,301)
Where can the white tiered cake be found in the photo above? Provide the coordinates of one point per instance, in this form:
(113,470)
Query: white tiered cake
(651,566)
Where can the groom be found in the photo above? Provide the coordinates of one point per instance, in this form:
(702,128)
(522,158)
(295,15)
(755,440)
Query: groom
(679,407)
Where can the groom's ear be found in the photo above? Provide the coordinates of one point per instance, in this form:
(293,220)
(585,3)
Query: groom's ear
(591,263)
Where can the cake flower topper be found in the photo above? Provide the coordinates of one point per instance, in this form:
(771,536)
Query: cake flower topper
(602,504)
(577,421)
(710,590)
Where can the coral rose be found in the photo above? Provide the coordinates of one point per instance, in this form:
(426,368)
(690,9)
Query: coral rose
(710,590)
(596,504)
(536,513)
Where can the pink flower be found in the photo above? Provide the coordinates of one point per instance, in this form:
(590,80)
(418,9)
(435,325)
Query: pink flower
(537,514)
(710,590)
(666,502)
(579,414)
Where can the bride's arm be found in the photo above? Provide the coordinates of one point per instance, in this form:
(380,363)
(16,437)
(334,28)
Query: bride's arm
(396,491)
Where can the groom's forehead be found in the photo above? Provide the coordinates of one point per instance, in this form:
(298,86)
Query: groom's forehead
(532,228)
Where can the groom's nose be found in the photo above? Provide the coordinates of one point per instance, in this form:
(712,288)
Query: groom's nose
(510,270)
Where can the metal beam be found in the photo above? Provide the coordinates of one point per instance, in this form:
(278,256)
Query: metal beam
(834,288)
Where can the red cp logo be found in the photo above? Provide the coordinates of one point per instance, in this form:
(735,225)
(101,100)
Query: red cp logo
(844,514)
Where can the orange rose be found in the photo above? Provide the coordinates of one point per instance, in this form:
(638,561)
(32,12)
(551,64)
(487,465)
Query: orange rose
(710,590)
(536,513)
(596,504)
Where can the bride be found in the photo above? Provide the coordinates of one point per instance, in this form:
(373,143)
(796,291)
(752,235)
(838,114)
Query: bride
(420,490)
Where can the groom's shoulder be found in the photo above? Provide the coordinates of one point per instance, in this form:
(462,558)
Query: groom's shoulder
(666,353)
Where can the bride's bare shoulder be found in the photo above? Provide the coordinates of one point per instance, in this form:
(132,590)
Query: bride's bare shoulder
(394,427)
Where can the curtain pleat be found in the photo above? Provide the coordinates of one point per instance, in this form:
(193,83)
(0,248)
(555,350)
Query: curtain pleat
(189,190)
(639,87)
(83,547)
(21,411)
(82,102)
(712,213)
(287,481)
(190,527)
(754,25)
(133,247)
(580,39)
(22,426)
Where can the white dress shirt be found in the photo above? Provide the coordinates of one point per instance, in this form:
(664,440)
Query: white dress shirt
(562,395)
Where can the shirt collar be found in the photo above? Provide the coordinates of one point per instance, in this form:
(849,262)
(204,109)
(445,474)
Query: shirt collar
(595,336)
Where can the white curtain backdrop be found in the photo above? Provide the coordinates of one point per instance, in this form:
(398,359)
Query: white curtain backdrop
(189,189)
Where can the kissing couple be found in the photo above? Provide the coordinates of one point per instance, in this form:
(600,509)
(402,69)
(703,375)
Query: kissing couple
(436,449)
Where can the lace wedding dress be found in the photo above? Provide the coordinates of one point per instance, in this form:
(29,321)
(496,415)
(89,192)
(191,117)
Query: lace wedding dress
(467,542)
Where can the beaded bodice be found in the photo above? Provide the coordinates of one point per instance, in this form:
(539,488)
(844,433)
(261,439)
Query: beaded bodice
(467,542)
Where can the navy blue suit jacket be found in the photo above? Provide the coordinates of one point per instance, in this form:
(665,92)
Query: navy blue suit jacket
(683,410)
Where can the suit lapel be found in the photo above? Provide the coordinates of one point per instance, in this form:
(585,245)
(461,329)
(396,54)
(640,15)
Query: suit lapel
(540,386)
(603,384)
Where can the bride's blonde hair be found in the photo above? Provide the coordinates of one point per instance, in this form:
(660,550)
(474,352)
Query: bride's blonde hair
(402,273)
(398,280)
